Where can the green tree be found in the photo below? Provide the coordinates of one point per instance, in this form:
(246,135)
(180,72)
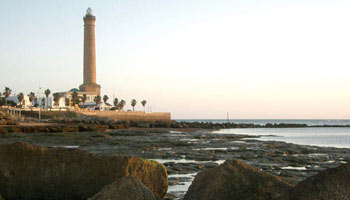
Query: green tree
(97,99)
(56,98)
(84,98)
(31,96)
(47,94)
(121,104)
(74,98)
(105,98)
(133,104)
(115,102)
(7,93)
(20,98)
(144,104)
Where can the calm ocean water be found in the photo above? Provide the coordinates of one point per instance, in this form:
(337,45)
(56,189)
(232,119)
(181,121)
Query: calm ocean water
(330,137)
(310,122)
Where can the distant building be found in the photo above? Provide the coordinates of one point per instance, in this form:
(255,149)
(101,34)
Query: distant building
(89,87)
(25,102)
(48,102)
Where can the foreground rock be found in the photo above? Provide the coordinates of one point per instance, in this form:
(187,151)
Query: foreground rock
(236,180)
(330,184)
(126,188)
(30,172)
(6,119)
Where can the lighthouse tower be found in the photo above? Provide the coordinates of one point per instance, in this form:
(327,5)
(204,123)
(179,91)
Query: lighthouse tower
(89,85)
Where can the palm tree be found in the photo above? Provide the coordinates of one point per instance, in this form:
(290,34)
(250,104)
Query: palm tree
(105,98)
(56,98)
(97,99)
(121,104)
(133,104)
(31,96)
(47,94)
(115,102)
(84,98)
(7,93)
(144,104)
(74,98)
(20,98)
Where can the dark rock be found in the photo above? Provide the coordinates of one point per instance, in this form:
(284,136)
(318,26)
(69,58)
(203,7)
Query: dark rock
(3,131)
(30,172)
(126,188)
(236,180)
(330,184)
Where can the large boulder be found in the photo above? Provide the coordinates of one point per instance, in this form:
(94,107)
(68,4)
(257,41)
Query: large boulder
(31,172)
(235,180)
(126,188)
(330,184)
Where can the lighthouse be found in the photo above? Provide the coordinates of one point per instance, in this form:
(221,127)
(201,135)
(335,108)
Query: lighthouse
(89,85)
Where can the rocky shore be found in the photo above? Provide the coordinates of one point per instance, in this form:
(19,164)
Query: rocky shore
(31,172)
(185,152)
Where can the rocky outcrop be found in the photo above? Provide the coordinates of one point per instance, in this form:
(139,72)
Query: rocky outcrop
(6,120)
(330,184)
(53,129)
(126,188)
(236,180)
(30,172)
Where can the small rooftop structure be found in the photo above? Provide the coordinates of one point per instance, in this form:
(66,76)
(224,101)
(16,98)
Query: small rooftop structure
(89,12)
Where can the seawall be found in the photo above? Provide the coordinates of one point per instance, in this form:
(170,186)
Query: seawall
(130,115)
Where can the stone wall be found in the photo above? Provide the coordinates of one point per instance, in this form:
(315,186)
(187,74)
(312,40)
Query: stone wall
(129,115)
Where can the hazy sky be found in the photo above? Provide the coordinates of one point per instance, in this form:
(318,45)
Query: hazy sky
(193,58)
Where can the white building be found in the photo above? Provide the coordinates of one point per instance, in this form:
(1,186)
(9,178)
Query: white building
(90,96)
(49,102)
(25,102)
(92,106)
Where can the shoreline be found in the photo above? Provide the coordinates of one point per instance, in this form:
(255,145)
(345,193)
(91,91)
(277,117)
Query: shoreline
(185,152)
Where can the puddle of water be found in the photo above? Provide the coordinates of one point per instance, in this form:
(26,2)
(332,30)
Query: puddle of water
(164,149)
(192,175)
(317,154)
(68,147)
(240,142)
(219,162)
(209,149)
(294,168)
(162,161)
(191,140)
(179,188)
(183,185)
(175,132)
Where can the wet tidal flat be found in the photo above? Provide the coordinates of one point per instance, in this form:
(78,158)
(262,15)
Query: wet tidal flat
(187,152)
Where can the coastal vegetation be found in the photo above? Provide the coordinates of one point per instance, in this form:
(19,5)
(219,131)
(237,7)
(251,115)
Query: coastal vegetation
(56,98)
(105,98)
(75,98)
(31,97)
(73,101)
(84,98)
(6,94)
(47,94)
(133,104)
(20,98)
(143,102)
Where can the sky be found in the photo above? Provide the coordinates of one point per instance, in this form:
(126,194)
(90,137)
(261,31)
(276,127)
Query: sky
(198,59)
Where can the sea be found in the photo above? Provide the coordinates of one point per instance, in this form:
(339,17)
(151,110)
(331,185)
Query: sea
(316,136)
